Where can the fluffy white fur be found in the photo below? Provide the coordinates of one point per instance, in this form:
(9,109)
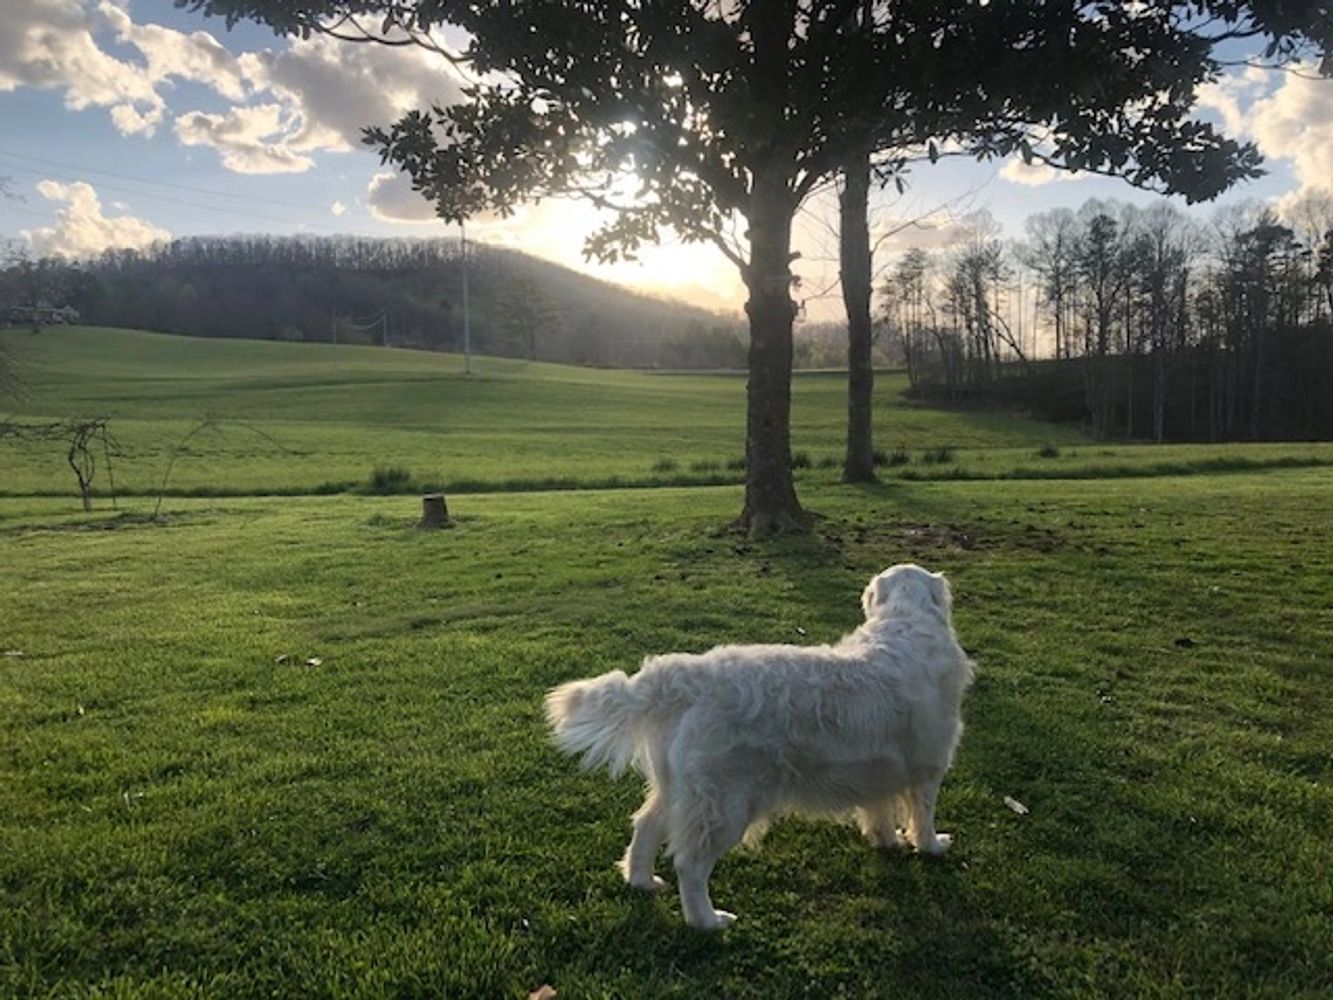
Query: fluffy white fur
(733,737)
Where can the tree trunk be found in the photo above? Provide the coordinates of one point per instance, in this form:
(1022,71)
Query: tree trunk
(434,511)
(854,257)
(1159,396)
(771,506)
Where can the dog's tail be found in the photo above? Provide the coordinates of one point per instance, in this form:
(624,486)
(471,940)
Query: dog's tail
(596,718)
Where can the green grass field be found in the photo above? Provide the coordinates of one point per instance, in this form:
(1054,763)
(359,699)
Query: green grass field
(305,418)
(190,808)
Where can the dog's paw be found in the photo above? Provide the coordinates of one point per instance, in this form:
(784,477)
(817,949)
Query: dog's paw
(647,882)
(653,883)
(717,921)
(936,847)
(888,840)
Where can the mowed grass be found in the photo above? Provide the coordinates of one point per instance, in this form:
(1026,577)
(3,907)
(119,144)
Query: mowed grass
(190,808)
(301,418)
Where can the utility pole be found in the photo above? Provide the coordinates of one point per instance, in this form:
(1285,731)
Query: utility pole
(467,324)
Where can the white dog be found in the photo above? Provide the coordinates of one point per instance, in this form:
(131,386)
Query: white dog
(730,738)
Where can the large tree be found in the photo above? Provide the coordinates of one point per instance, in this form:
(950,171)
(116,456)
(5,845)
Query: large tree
(692,114)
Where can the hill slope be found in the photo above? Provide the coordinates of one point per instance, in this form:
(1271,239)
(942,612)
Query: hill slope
(399,292)
(295,417)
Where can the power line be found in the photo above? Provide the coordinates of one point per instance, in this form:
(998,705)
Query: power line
(159,183)
(65,176)
(8,207)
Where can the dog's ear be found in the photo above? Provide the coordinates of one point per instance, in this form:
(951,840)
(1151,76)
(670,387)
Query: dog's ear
(872,598)
(940,594)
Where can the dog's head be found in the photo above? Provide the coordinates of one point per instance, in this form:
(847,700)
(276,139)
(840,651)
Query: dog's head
(907,589)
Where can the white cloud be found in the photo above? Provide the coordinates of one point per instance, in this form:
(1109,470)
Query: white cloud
(1036,174)
(1230,96)
(129,120)
(49,44)
(928,235)
(1289,116)
(1295,123)
(168,53)
(325,93)
(252,139)
(339,89)
(82,230)
(338,208)
(391,199)
(53,45)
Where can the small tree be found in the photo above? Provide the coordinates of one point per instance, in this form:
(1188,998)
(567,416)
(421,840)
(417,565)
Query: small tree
(83,436)
(523,313)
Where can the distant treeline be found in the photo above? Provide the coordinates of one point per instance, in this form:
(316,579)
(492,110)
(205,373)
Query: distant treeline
(1154,326)
(405,293)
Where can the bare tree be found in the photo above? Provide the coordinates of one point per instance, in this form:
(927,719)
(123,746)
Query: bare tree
(83,437)
(1050,251)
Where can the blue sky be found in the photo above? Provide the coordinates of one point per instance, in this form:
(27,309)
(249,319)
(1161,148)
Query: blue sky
(124,122)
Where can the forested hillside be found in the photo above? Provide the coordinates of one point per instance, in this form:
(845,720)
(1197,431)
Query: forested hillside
(383,291)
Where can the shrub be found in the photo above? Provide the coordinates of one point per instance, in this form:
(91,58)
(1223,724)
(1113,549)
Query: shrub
(899,456)
(938,456)
(389,479)
(704,466)
(829,462)
(665,465)
(736,465)
(1048,451)
(800,460)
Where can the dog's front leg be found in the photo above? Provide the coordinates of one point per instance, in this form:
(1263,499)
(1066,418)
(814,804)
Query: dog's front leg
(921,822)
(879,823)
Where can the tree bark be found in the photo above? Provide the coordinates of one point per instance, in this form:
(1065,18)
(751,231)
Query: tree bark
(854,258)
(771,506)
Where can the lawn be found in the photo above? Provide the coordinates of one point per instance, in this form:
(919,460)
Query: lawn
(308,418)
(294,747)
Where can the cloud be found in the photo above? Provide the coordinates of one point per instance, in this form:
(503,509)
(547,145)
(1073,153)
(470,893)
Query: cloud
(1292,121)
(52,45)
(1295,124)
(338,208)
(49,44)
(1229,97)
(82,230)
(1036,174)
(339,89)
(325,92)
(170,54)
(391,199)
(928,235)
(252,140)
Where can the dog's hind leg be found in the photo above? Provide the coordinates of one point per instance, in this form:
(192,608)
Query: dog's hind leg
(921,817)
(697,844)
(650,829)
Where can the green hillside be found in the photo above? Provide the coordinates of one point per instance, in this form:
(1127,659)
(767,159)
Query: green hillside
(328,414)
(304,418)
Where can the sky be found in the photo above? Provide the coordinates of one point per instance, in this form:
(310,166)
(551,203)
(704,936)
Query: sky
(123,122)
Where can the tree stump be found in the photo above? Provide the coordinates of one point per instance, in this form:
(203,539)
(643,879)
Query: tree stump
(434,513)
